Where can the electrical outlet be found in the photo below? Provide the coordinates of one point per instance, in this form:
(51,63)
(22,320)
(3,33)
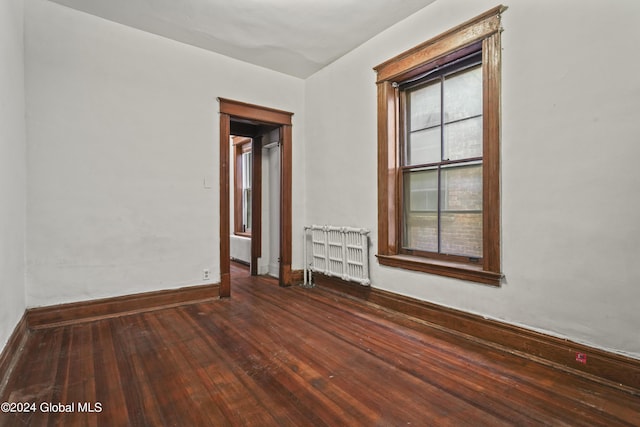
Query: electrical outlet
(205,274)
(581,358)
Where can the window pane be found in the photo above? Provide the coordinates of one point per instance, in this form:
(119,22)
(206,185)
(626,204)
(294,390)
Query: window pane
(246,170)
(424,147)
(463,95)
(461,234)
(461,215)
(246,209)
(421,190)
(424,105)
(463,139)
(462,188)
(246,191)
(421,210)
(421,231)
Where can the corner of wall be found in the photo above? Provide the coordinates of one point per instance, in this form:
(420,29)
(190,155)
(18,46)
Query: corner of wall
(12,168)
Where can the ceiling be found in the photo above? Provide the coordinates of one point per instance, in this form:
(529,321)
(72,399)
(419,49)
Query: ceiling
(296,37)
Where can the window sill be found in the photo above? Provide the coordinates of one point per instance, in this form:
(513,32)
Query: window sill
(473,273)
(242,234)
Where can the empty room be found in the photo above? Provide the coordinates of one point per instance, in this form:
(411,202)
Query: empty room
(335,213)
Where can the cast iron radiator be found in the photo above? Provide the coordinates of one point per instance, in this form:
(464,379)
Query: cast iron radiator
(336,251)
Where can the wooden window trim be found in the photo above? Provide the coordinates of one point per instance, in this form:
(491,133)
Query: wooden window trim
(240,145)
(482,32)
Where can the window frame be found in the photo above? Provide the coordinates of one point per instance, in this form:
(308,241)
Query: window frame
(481,33)
(440,167)
(241,145)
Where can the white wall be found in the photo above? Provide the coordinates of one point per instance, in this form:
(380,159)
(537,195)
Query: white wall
(240,248)
(268,263)
(570,181)
(123,155)
(272,194)
(12,167)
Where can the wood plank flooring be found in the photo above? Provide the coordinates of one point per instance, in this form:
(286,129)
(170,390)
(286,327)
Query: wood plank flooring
(273,356)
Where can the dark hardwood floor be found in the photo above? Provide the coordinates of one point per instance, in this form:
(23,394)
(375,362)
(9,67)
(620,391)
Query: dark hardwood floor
(273,356)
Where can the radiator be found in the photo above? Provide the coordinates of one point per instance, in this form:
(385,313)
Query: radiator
(337,251)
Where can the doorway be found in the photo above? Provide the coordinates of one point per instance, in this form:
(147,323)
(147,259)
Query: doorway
(255,200)
(252,121)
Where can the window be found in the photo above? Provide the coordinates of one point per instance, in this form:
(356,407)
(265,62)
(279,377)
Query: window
(441,161)
(438,154)
(242,182)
